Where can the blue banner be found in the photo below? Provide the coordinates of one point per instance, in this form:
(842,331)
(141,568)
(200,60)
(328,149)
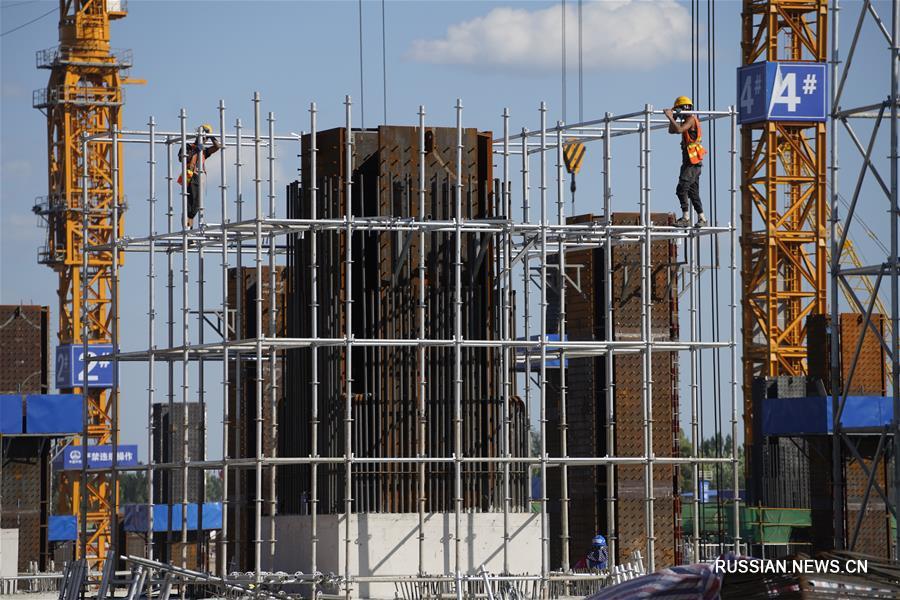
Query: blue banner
(62,528)
(782,91)
(70,366)
(99,457)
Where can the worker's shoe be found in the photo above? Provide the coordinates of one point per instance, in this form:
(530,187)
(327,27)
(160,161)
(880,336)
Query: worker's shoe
(701,222)
(683,222)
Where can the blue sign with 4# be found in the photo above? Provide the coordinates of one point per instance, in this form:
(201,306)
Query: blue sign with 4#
(70,366)
(781,91)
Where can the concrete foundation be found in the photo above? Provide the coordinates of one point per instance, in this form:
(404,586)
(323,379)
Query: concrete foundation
(9,559)
(387,544)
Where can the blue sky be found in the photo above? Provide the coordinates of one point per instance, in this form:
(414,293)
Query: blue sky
(490,54)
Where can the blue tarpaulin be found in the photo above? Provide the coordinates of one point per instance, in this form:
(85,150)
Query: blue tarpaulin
(136,517)
(10,414)
(813,416)
(62,528)
(53,413)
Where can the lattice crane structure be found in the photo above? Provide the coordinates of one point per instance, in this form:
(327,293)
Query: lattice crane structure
(783,215)
(83,99)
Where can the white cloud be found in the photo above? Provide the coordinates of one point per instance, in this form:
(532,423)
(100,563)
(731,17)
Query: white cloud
(617,34)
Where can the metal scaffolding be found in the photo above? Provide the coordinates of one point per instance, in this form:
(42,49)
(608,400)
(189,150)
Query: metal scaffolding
(848,124)
(526,252)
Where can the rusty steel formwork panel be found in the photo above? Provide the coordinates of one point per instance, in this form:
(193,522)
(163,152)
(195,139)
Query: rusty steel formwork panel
(25,472)
(24,349)
(626,313)
(168,447)
(869,376)
(586,437)
(874,536)
(242,402)
(587,381)
(25,496)
(385,278)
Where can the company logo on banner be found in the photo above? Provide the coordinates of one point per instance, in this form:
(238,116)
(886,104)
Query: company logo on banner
(780,91)
(99,457)
(70,366)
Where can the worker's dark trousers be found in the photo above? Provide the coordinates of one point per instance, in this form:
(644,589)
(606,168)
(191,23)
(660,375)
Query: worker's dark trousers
(689,187)
(193,196)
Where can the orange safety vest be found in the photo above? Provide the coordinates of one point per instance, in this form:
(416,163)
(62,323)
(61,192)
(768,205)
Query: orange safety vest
(695,151)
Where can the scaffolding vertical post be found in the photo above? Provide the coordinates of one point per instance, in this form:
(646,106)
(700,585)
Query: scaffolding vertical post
(526,284)
(420,350)
(348,333)
(167,470)
(185,333)
(260,334)
(895,282)
(201,364)
(85,415)
(223,191)
(837,495)
(274,309)
(457,352)
(239,416)
(151,328)
(113,481)
(609,392)
(561,334)
(692,250)
(506,282)
(647,337)
(732,348)
(545,534)
(314,354)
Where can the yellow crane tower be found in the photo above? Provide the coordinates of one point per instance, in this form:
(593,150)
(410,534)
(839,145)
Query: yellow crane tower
(84,98)
(783,226)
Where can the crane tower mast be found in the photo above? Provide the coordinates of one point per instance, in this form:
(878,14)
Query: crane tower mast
(783,212)
(84,98)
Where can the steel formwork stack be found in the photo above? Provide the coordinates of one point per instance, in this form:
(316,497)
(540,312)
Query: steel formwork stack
(427,279)
(25,461)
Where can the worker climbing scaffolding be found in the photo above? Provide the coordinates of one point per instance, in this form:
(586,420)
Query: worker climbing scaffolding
(197,153)
(682,121)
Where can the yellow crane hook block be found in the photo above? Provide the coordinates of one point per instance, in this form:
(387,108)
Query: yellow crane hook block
(573,155)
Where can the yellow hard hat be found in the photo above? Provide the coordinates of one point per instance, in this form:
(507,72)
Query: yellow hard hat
(206,127)
(681,101)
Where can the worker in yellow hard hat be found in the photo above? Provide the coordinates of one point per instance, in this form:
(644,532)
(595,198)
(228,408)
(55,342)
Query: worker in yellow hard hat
(682,121)
(196,164)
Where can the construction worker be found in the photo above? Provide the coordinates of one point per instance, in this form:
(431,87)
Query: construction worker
(683,122)
(210,146)
(598,557)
